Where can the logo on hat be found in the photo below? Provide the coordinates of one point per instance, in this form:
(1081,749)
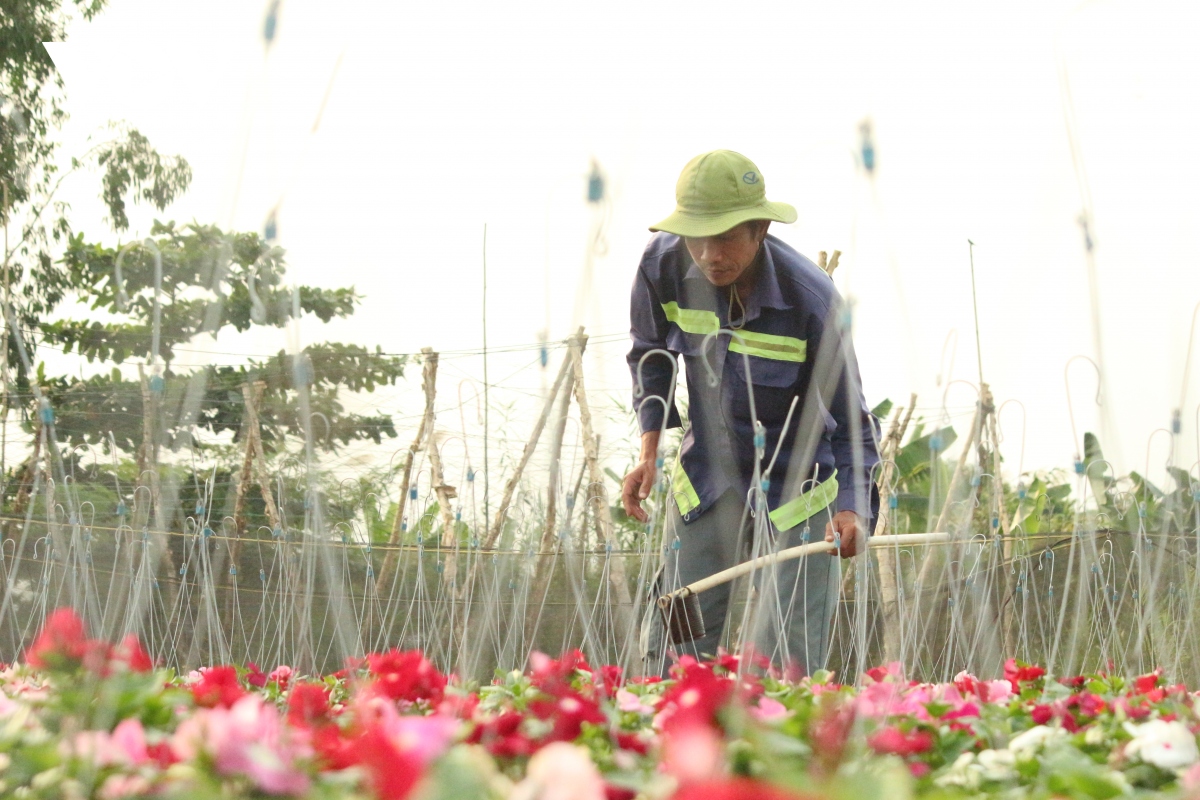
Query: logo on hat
(750,178)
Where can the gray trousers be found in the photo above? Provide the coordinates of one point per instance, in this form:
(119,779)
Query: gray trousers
(795,600)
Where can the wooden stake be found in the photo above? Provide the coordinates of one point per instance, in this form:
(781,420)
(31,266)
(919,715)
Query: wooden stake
(616,567)
(429,385)
(511,487)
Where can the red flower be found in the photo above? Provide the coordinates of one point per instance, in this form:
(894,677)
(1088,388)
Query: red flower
(618,793)
(1146,683)
(162,754)
(611,678)
(308,705)
(567,712)
(549,673)
(1075,682)
(632,742)
(407,676)
(696,697)
(502,736)
(391,771)
(131,652)
(736,789)
(255,676)
(1041,714)
(218,686)
(1091,704)
(891,741)
(919,769)
(829,733)
(334,751)
(965,710)
(1017,672)
(62,644)
(459,705)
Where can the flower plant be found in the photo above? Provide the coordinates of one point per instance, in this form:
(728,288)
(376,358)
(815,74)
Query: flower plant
(82,718)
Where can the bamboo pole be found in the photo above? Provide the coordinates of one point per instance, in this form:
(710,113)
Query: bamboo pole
(429,385)
(251,395)
(616,567)
(511,487)
(550,549)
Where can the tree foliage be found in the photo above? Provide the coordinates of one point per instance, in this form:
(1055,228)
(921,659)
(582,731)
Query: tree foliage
(31,172)
(205,287)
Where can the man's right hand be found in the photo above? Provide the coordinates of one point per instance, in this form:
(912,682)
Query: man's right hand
(637,487)
(640,481)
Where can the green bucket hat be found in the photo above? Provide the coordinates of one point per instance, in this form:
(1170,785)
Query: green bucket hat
(718,191)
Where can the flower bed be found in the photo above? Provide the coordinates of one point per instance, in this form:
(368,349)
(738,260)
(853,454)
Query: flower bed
(83,718)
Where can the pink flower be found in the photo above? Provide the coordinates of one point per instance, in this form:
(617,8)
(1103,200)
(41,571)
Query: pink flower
(769,710)
(249,739)
(116,786)
(560,771)
(693,754)
(892,741)
(125,746)
(281,675)
(628,701)
(130,738)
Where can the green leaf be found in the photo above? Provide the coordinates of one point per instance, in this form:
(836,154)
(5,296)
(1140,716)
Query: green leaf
(883,409)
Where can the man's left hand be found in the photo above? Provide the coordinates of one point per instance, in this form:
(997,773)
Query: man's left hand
(852,530)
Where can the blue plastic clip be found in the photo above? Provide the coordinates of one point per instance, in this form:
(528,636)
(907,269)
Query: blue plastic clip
(935,443)
(893,501)
(233,570)
(262,575)
(157,384)
(765,484)
(47,415)
(412,493)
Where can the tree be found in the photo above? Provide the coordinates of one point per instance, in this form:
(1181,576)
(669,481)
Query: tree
(31,174)
(209,282)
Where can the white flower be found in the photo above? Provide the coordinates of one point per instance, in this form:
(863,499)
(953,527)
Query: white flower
(963,772)
(1029,742)
(997,765)
(1169,745)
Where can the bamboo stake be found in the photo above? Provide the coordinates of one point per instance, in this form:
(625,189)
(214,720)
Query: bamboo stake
(549,549)
(616,567)
(530,446)
(251,396)
(429,384)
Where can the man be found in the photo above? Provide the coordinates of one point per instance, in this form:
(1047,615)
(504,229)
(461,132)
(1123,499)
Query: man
(714,287)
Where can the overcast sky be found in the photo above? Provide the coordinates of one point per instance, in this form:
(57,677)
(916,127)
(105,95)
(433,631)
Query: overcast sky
(441,117)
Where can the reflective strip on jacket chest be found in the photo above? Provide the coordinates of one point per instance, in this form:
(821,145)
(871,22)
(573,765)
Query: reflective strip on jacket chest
(767,345)
(762,345)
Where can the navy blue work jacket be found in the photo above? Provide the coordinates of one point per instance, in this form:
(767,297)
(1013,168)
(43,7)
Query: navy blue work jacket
(785,326)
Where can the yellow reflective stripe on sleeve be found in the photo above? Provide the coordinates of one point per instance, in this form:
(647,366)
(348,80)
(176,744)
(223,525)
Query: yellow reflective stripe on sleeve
(691,320)
(685,494)
(795,511)
(766,345)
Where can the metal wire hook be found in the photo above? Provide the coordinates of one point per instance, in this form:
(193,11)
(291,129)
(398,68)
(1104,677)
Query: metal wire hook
(640,389)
